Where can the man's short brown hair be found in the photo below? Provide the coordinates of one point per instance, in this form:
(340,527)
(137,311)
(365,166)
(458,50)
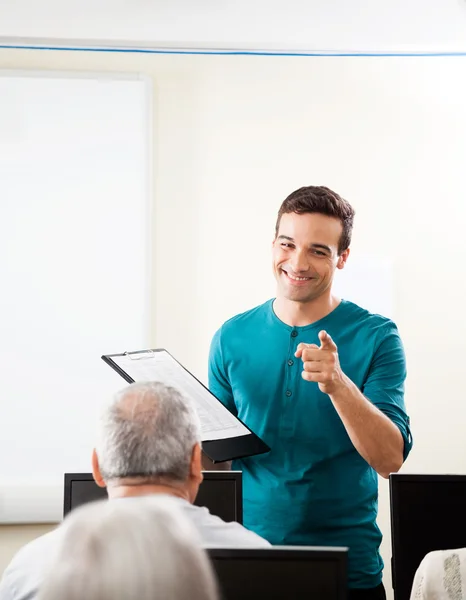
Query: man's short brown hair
(322,200)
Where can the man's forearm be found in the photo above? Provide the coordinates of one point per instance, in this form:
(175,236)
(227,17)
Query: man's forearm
(377,439)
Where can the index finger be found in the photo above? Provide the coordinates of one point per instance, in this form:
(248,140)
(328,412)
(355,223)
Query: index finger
(326,341)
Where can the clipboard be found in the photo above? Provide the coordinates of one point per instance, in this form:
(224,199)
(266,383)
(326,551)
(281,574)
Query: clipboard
(234,441)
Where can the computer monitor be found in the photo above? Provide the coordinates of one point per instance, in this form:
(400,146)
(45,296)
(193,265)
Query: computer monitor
(428,512)
(221,492)
(281,572)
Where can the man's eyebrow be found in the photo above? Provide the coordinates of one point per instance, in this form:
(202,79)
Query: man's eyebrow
(313,246)
(321,247)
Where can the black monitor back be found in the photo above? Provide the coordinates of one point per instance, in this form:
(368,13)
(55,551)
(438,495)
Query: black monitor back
(221,492)
(281,573)
(427,513)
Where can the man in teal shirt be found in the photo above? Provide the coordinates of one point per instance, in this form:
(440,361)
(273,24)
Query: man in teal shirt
(321,381)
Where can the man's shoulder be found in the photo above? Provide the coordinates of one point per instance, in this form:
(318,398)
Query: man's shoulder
(23,575)
(362,317)
(243,325)
(216,533)
(248,317)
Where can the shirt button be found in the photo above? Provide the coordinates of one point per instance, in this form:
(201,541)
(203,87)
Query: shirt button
(290,363)
(294,333)
(288,393)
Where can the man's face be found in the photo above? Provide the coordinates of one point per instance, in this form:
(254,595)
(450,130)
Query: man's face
(305,255)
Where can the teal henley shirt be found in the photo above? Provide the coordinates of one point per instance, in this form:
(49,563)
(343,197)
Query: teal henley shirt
(313,488)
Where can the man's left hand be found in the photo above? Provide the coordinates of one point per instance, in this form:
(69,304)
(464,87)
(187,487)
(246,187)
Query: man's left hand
(321,364)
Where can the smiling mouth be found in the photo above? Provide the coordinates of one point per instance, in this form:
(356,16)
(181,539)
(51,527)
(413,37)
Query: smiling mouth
(297,279)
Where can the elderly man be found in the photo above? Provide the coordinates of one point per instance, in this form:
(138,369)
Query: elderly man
(107,552)
(148,444)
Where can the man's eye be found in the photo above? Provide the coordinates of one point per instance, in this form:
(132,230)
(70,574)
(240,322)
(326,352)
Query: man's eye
(285,245)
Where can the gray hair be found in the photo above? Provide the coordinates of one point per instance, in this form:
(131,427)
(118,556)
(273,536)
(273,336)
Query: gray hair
(149,430)
(129,548)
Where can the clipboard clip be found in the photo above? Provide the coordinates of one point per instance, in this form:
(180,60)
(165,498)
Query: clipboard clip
(140,355)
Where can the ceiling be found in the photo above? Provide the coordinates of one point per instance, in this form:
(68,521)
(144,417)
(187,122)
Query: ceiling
(277,25)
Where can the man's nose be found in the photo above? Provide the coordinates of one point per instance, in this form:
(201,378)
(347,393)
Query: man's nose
(299,262)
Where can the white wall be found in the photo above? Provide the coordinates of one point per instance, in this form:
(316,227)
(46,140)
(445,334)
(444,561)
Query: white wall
(372,25)
(234,135)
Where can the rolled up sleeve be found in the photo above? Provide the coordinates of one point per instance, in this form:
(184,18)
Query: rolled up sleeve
(384,385)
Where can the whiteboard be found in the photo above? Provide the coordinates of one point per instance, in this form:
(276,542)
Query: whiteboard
(75,193)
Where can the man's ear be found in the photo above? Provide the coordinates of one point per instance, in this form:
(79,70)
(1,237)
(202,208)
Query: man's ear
(343,258)
(196,463)
(96,471)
